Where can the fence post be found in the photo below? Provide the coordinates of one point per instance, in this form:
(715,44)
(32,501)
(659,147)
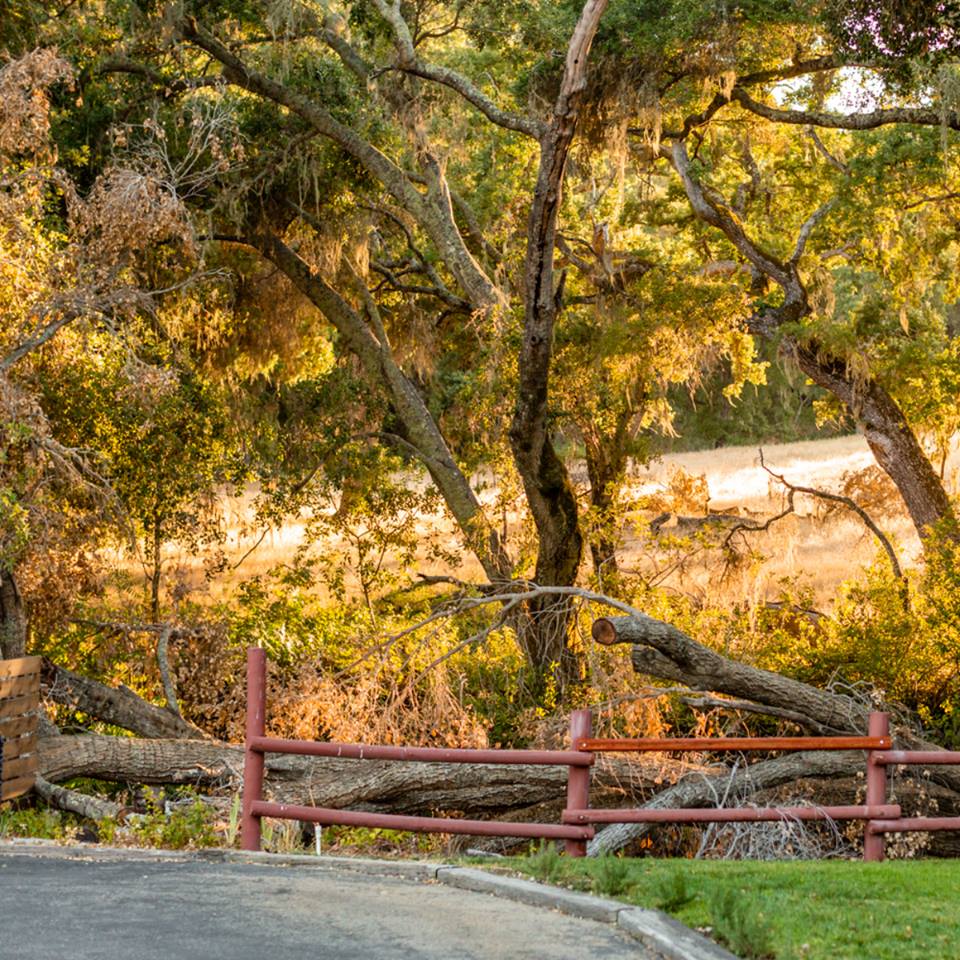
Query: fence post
(253,759)
(873,843)
(578,778)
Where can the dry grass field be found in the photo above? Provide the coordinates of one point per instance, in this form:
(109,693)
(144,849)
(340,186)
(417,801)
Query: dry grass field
(821,548)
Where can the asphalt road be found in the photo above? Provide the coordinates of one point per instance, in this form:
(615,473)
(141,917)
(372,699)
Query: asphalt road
(60,909)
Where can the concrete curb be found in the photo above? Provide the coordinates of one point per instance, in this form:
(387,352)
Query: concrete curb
(660,932)
(655,930)
(411,869)
(536,894)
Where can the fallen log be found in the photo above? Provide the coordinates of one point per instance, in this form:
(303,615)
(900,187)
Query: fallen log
(661,650)
(94,808)
(373,785)
(119,706)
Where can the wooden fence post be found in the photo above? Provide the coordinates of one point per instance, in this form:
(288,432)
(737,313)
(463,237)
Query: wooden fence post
(578,778)
(873,843)
(253,759)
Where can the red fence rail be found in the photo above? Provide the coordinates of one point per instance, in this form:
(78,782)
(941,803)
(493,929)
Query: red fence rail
(576,827)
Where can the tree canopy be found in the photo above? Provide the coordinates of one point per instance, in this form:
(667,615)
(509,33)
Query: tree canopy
(321,244)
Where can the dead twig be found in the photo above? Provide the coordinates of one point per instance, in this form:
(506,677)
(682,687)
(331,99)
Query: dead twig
(850,504)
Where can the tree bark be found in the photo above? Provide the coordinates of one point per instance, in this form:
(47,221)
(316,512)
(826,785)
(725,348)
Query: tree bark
(13,619)
(376,785)
(544,475)
(661,650)
(119,706)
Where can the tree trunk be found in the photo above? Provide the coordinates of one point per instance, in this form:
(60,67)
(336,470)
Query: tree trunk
(700,790)
(119,706)
(889,436)
(13,620)
(377,785)
(383,372)
(82,804)
(661,650)
(544,475)
(155,573)
(606,460)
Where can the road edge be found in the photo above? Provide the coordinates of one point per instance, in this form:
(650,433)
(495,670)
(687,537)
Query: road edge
(654,929)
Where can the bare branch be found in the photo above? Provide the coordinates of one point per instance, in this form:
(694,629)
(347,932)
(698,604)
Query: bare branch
(825,153)
(850,505)
(123,64)
(809,225)
(848,121)
(163,662)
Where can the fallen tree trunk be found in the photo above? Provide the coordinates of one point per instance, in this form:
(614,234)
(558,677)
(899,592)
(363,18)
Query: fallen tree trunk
(94,808)
(117,705)
(661,650)
(375,785)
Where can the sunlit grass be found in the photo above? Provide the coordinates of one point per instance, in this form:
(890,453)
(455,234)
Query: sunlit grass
(827,910)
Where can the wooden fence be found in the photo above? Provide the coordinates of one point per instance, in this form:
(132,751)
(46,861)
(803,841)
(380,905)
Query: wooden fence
(19,717)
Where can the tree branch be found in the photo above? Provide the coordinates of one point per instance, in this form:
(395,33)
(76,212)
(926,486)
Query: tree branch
(848,121)
(409,62)
(432,212)
(850,504)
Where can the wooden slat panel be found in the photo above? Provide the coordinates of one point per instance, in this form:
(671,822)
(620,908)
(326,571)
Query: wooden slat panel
(19,746)
(714,744)
(22,767)
(18,706)
(17,726)
(15,788)
(20,667)
(17,686)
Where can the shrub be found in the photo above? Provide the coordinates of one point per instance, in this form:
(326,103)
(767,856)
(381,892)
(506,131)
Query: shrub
(672,892)
(546,864)
(184,827)
(737,925)
(612,878)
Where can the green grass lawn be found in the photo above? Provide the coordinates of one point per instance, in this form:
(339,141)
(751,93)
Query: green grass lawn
(829,910)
